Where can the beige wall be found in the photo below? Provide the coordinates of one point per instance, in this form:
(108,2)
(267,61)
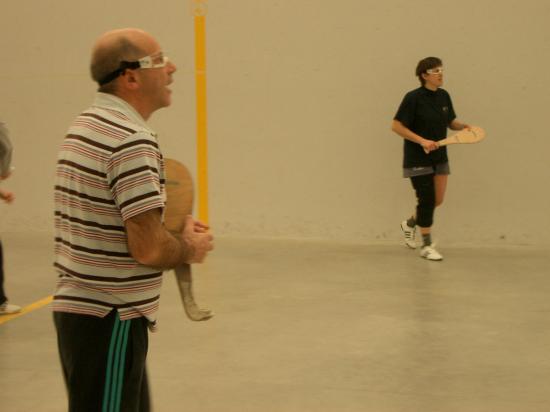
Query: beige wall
(301,95)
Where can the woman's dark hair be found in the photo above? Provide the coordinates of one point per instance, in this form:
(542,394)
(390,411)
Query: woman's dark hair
(426,64)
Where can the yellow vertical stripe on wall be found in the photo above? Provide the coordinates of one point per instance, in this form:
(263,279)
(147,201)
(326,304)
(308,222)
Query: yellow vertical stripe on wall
(202,142)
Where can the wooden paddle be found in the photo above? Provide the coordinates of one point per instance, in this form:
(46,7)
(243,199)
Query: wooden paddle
(179,204)
(472,135)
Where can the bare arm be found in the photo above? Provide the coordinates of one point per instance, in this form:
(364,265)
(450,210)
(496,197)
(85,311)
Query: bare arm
(408,134)
(456,125)
(152,245)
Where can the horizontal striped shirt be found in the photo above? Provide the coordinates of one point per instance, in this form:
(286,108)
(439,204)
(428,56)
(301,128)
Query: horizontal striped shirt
(109,169)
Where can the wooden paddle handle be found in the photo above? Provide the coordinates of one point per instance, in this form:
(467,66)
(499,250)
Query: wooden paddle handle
(184,280)
(179,204)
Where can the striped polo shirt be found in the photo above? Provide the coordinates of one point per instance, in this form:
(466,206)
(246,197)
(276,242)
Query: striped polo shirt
(109,169)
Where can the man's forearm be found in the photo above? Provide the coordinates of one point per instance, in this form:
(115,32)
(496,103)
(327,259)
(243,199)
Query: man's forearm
(173,252)
(152,245)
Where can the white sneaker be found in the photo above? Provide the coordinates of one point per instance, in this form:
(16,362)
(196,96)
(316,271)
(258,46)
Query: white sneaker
(429,252)
(7,308)
(409,233)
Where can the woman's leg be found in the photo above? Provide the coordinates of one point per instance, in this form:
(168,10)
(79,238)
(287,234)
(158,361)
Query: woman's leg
(3,297)
(424,187)
(6,308)
(440,182)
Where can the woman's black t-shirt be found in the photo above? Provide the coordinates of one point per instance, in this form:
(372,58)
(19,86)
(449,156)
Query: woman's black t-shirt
(427,113)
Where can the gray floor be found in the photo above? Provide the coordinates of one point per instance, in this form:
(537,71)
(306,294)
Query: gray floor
(318,327)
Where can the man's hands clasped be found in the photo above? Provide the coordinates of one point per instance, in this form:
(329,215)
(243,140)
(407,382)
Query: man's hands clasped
(196,236)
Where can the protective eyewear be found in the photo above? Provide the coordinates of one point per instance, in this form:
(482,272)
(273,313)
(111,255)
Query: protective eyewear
(437,70)
(154,61)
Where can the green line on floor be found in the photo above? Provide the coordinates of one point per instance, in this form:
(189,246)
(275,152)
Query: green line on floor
(33,306)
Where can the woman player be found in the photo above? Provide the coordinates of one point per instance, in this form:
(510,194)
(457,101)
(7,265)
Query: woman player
(7,196)
(422,120)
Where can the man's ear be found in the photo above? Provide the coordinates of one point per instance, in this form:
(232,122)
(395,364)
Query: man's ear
(130,80)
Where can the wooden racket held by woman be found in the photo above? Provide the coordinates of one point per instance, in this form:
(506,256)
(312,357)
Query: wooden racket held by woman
(474,134)
(179,204)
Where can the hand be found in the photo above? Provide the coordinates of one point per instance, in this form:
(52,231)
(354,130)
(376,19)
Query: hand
(466,127)
(7,196)
(198,240)
(200,227)
(429,145)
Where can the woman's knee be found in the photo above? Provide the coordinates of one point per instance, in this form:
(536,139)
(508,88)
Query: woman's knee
(425,193)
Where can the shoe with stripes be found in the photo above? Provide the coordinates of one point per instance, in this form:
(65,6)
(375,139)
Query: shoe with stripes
(409,233)
(429,252)
(7,308)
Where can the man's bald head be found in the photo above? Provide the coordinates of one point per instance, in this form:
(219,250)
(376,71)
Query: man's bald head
(117,68)
(114,47)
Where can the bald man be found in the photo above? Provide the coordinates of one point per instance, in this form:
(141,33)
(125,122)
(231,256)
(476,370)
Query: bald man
(111,246)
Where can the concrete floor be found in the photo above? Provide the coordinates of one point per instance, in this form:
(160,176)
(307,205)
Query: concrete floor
(317,327)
